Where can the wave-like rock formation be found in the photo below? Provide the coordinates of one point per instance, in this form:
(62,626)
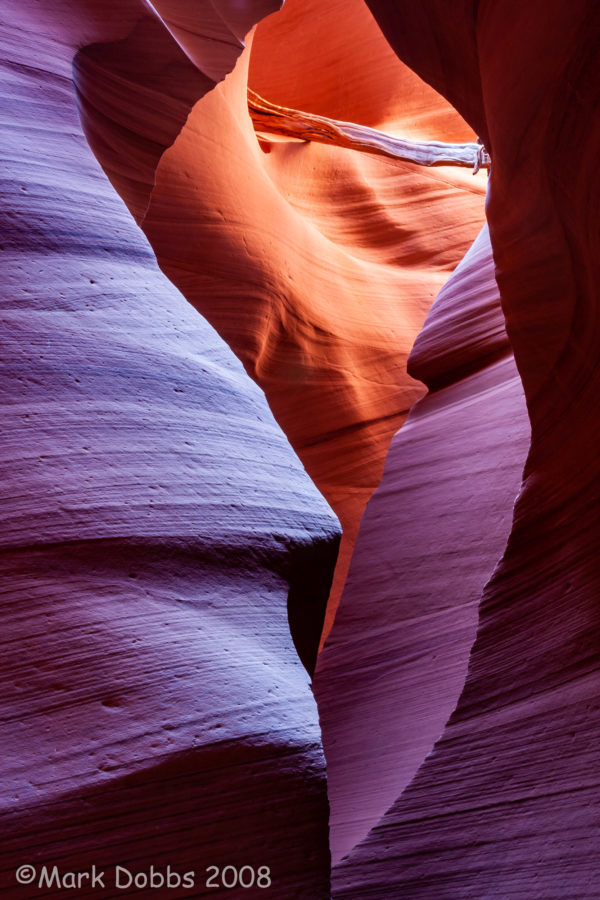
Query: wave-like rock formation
(260,236)
(167,556)
(506,803)
(395,661)
(156,524)
(311,261)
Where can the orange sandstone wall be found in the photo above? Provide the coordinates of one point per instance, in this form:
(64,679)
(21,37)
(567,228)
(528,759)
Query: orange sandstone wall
(315,264)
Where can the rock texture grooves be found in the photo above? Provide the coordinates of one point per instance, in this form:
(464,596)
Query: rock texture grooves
(154,516)
(506,805)
(159,531)
(312,261)
(395,662)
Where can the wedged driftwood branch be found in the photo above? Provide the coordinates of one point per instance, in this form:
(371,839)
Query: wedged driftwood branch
(272,119)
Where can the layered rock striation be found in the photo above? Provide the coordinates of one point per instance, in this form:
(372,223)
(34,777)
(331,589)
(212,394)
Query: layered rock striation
(166,557)
(396,659)
(156,522)
(505,805)
(312,261)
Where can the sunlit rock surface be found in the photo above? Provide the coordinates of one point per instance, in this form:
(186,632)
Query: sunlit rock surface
(313,262)
(154,521)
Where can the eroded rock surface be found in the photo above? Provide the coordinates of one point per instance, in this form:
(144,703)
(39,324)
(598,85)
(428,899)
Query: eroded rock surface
(158,529)
(396,659)
(312,261)
(155,518)
(506,804)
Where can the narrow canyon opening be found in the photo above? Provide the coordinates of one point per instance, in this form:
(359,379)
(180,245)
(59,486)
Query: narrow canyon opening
(301,338)
(318,262)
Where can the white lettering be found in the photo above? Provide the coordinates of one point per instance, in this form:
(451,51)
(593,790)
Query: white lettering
(97,878)
(46,880)
(127,873)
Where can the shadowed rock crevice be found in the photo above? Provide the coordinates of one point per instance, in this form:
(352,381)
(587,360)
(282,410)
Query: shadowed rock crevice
(310,575)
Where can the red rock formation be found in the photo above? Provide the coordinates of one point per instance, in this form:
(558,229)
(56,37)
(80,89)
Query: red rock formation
(151,557)
(341,79)
(331,224)
(506,804)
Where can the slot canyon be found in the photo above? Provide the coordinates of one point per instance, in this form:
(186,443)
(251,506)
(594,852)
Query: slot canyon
(299,388)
